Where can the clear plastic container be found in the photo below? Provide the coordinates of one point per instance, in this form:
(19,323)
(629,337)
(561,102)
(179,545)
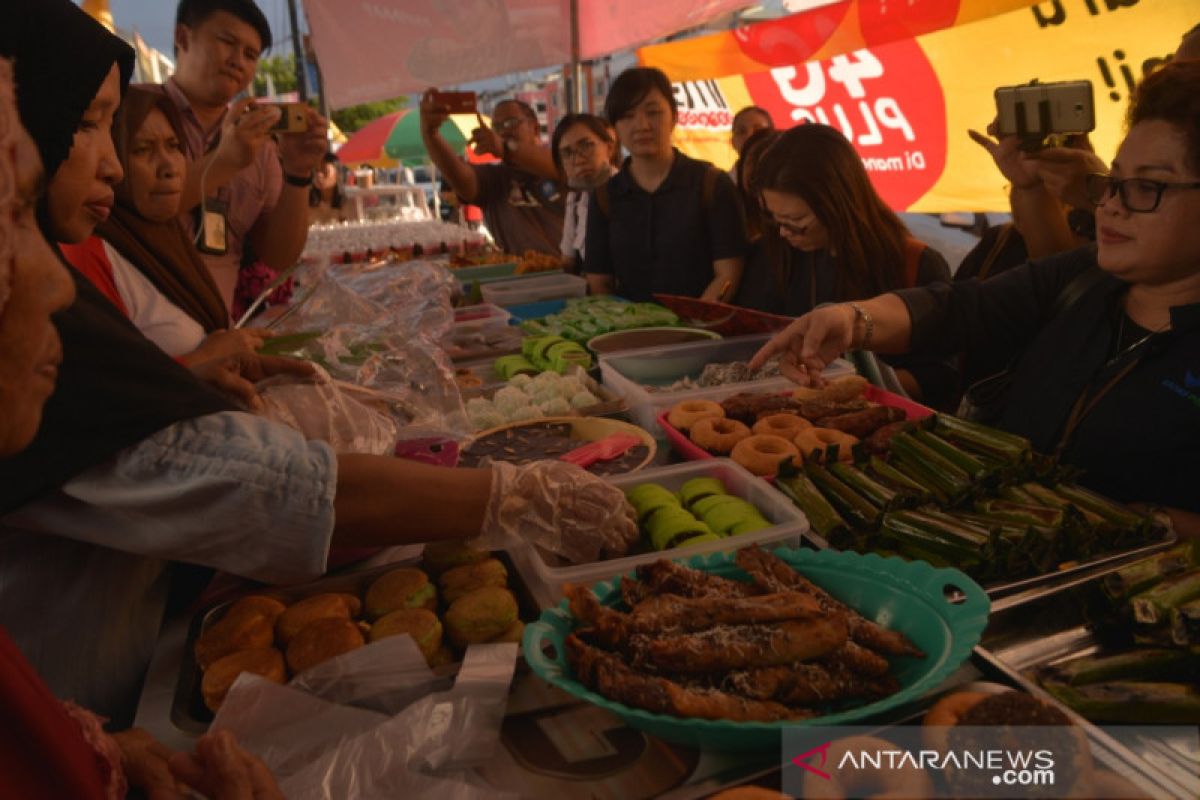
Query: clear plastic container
(484,313)
(628,374)
(545,573)
(533,290)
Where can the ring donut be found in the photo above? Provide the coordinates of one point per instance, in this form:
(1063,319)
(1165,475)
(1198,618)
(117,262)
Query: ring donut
(814,443)
(946,713)
(786,425)
(900,781)
(718,435)
(685,414)
(762,453)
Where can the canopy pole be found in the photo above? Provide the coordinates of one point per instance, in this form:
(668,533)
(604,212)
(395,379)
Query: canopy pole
(298,52)
(576,100)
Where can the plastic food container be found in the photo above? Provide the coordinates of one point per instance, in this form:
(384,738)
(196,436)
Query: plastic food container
(534,289)
(942,611)
(683,445)
(630,372)
(789,526)
(641,338)
(480,315)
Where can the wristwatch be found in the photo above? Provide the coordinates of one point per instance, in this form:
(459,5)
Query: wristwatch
(303,181)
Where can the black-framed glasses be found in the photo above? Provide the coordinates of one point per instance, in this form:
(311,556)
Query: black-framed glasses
(585,149)
(1140,195)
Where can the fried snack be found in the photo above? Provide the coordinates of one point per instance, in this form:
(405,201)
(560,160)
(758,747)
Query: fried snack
(817,410)
(686,413)
(300,615)
(450,553)
(406,587)
(730,647)
(747,407)
(880,441)
(481,615)
(808,684)
(220,675)
(785,425)
(762,454)
(858,659)
(441,658)
(463,580)
(837,391)
(322,640)
(774,575)
(667,577)
(718,435)
(673,614)
(861,424)
(611,677)
(817,444)
(247,625)
(514,634)
(419,623)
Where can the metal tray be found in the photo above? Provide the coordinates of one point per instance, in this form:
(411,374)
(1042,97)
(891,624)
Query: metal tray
(982,666)
(1052,627)
(188,712)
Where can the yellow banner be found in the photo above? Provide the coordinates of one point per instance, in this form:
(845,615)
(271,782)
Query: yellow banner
(907,105)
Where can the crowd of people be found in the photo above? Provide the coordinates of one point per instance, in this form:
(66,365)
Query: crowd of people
(130,453)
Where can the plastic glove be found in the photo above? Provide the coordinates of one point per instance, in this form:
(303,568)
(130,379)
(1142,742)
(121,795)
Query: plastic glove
(559,507)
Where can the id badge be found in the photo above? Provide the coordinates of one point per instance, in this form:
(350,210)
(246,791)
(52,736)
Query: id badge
(213,239)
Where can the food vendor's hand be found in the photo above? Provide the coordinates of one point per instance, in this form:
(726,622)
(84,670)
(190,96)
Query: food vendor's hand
(559,507)
(220,344)
(236,374)
(301,153)
(485,140)
(145,762)
(1064,171)
(433,115)
(1012,162)
(220,769)
(243,133)
(810,344)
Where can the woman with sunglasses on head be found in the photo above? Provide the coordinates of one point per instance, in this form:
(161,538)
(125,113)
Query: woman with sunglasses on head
(1109,378)
(831,238)
(585,151)
(665,223)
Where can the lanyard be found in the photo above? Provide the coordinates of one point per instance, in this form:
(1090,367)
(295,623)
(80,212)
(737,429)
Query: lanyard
(1084,405)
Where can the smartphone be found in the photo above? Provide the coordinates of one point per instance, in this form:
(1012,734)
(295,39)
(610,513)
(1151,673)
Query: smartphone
(293,117)
(1035,111)
(456,102)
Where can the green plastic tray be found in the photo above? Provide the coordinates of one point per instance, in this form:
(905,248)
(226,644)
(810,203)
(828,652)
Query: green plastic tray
(485,273)
(907,596)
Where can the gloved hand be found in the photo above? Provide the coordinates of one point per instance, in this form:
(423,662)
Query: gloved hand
(559,507)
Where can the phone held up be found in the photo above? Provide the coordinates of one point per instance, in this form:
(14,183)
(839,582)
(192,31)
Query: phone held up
(293,117)
(455,102)
(1044,114)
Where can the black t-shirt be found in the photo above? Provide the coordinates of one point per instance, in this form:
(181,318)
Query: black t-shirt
(1141,440)
(665,241)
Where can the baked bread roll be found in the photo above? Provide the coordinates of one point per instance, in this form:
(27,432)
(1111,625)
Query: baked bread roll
(247,625)
(300,615)
(463,580)
(480,616)
(322,640)
(220,675)
(407,587)
(419,623)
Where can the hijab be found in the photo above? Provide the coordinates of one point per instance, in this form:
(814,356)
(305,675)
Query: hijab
(115,386)
(162,251)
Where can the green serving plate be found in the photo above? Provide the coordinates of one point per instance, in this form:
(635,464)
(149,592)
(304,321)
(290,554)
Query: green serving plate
(908,596)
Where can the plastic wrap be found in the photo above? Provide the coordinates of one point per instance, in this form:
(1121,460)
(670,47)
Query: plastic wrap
(318,746)
(322,409)
(559,507)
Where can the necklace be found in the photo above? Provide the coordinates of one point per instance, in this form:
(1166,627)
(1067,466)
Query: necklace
(1119,351)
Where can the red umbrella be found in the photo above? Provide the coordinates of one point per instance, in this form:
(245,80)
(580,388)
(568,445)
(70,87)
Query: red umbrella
(365,146)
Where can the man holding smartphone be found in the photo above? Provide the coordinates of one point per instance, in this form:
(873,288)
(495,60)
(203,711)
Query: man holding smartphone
(520,197)
(240,178)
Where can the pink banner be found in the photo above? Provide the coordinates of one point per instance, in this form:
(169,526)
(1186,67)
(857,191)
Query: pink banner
(376,49)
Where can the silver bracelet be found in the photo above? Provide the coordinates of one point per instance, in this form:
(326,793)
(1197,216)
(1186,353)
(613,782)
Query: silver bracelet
(868,325)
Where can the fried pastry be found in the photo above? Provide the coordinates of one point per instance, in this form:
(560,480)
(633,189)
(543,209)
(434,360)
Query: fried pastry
(419,623)
(220,675)
(441,556)
(732,647)
(247,625)
(481,615)
(300,615)
(322,640)
(465,579)
(407,587)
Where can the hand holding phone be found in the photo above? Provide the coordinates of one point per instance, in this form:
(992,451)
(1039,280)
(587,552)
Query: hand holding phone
(455,102)
(1035,112)
(293,117)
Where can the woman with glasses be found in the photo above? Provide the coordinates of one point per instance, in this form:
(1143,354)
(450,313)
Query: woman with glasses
(1102,343)
(665,223)
(585,151)
(831,238)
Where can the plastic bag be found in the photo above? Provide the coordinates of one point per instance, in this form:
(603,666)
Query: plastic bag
(318,747)
(322,409)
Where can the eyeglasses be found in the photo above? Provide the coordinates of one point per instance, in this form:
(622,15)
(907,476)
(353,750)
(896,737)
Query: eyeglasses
(585,149)
(1140,195)
(789,227)
(506,125)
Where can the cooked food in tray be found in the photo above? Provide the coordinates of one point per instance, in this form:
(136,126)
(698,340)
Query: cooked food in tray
(702,511)
(693,644)
(538,441)
(263,635)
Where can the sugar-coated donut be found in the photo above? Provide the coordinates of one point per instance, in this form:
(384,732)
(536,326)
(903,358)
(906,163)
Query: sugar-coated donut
(900,781)
(718,435)
(786,425)
(762,453)
(946,713)
(814,444)
(683,415)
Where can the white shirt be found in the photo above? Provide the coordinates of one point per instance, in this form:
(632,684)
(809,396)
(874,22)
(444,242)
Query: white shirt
(574,225)
(159,320)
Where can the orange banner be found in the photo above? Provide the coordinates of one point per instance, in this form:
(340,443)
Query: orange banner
(817,34)
(907,105)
